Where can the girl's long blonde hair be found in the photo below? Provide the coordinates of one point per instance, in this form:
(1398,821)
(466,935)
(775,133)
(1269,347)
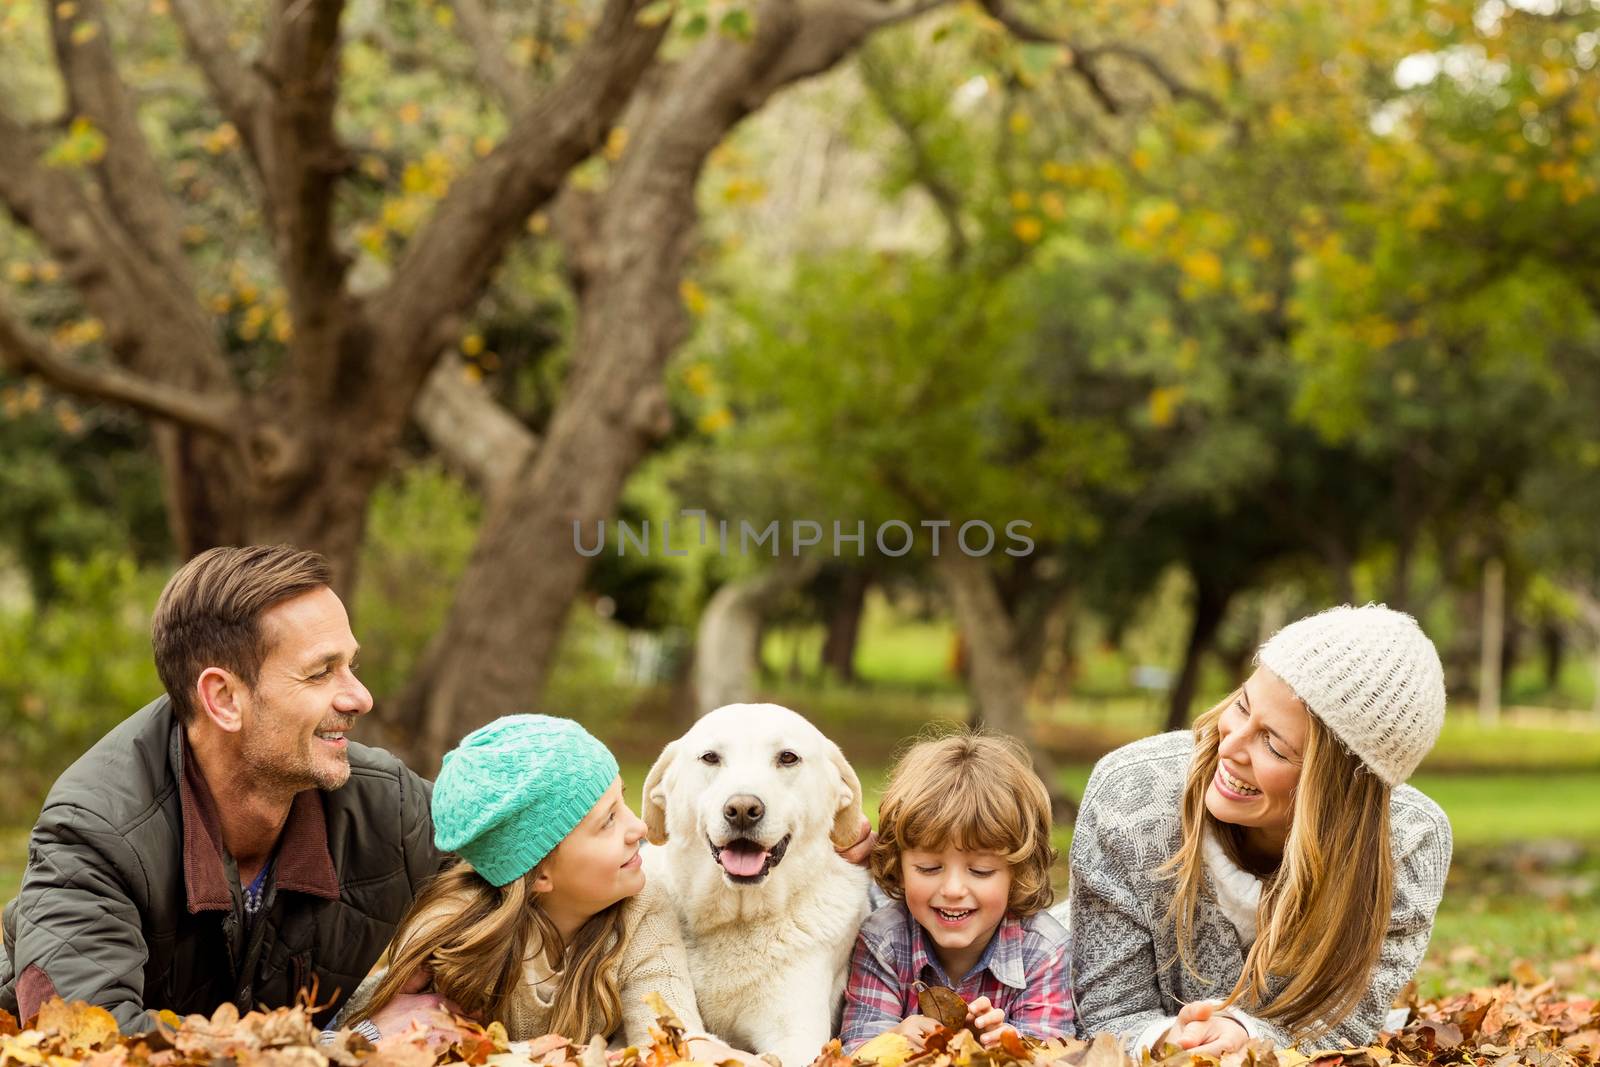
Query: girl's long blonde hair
(1325,911)
(474,938)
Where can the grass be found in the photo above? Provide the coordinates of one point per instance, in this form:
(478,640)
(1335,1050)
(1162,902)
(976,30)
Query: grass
(1506,907)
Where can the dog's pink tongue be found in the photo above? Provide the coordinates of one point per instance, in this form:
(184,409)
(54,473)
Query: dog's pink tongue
(741,863)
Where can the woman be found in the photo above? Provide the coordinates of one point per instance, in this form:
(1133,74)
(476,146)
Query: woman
(1268,874)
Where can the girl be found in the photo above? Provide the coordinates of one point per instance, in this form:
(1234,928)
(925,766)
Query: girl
(1271,858)
(964,852)
(547,925)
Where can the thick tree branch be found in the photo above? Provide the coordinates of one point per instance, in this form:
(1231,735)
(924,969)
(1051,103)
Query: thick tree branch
(488,46)
(24,353)
(302,163)
(153,324)
(448,263)
(135,193)
(473,433)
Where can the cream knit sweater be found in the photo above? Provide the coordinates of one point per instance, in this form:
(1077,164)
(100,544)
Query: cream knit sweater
(654,962)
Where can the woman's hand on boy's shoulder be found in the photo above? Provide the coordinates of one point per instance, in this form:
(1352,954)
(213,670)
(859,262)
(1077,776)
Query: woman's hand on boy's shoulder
(858,852)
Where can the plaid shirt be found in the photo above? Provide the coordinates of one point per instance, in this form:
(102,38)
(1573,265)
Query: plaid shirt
(1023,971)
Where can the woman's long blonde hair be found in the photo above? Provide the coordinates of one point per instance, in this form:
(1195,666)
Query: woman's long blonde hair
(474,938)
(1325,911)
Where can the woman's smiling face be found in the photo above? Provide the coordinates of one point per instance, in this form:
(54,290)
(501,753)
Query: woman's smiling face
(1261,740)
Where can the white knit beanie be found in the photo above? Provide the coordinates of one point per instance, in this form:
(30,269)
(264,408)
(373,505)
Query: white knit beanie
(1373,678)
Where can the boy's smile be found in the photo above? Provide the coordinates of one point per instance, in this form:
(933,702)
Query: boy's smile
(959,897)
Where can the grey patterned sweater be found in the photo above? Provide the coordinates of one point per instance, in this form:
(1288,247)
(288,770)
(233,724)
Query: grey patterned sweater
(1126,975)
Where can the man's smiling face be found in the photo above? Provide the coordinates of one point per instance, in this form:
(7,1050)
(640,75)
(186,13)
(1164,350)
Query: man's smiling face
(306,697)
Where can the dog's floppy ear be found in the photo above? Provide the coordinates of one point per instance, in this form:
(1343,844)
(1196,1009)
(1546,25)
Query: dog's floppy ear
(848,815)
(654,804)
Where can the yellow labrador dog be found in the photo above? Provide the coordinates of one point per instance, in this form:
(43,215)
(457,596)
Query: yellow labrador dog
(748,807)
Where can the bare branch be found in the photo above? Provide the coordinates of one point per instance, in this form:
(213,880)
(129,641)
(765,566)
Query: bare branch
(477,27)
(1174,85)
(1084,60)
(24,353)
(895,16)
(237,89)
(474,433)
(879,82)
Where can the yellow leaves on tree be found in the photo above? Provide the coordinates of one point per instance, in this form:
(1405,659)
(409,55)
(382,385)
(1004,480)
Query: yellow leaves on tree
(694,297)
(1202,266)
(1163,404)
(82,145)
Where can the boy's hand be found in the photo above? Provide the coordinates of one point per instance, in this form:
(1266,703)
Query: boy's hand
(916,1029)
(988,1020)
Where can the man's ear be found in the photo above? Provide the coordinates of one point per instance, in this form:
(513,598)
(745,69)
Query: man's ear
(220,698)
(653,806)
(848,815)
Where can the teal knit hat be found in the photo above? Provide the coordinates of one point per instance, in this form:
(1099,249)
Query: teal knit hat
(511,790)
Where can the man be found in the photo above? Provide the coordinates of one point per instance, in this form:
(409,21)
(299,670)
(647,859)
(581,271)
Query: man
(228,842)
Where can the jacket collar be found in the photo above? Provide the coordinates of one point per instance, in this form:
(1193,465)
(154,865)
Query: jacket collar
(303,864)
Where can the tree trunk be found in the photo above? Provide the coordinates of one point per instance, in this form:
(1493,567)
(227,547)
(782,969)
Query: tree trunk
(1054,663)
(1553,645)
(844,625)
(627,251)
(1210,604)
(1492,634)
(727,649)
(996,682)
(293,454)
(1400,580)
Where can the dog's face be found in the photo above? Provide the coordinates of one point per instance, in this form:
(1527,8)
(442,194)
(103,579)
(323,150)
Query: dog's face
(750,783)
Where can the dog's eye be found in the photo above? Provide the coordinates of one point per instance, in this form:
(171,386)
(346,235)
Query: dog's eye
(710,759)
(787,758)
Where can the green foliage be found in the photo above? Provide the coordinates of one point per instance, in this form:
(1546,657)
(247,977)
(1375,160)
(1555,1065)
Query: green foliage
(72,669)
(74,483)
(420,530)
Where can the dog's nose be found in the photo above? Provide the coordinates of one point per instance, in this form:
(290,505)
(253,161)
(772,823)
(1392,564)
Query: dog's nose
(743,811)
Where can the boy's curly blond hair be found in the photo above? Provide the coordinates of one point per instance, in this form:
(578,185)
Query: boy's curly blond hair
(974,791)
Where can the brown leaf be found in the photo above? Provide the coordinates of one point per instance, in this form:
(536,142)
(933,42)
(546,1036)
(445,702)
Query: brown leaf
(1524,973)
(392,1053)
(1012,1045)
(81,1027)
(943,1004)
(8,1024)
(1105,1052)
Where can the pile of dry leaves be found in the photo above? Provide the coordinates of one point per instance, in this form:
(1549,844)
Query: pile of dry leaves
(1525,1023)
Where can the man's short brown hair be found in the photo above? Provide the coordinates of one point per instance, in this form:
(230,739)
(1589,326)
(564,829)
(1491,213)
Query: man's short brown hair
(970,791)
(209,615)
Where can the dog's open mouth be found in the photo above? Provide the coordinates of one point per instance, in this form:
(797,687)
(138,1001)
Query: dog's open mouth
(746,861)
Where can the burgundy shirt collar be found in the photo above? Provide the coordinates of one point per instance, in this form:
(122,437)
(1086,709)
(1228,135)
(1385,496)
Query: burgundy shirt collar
(304,863)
